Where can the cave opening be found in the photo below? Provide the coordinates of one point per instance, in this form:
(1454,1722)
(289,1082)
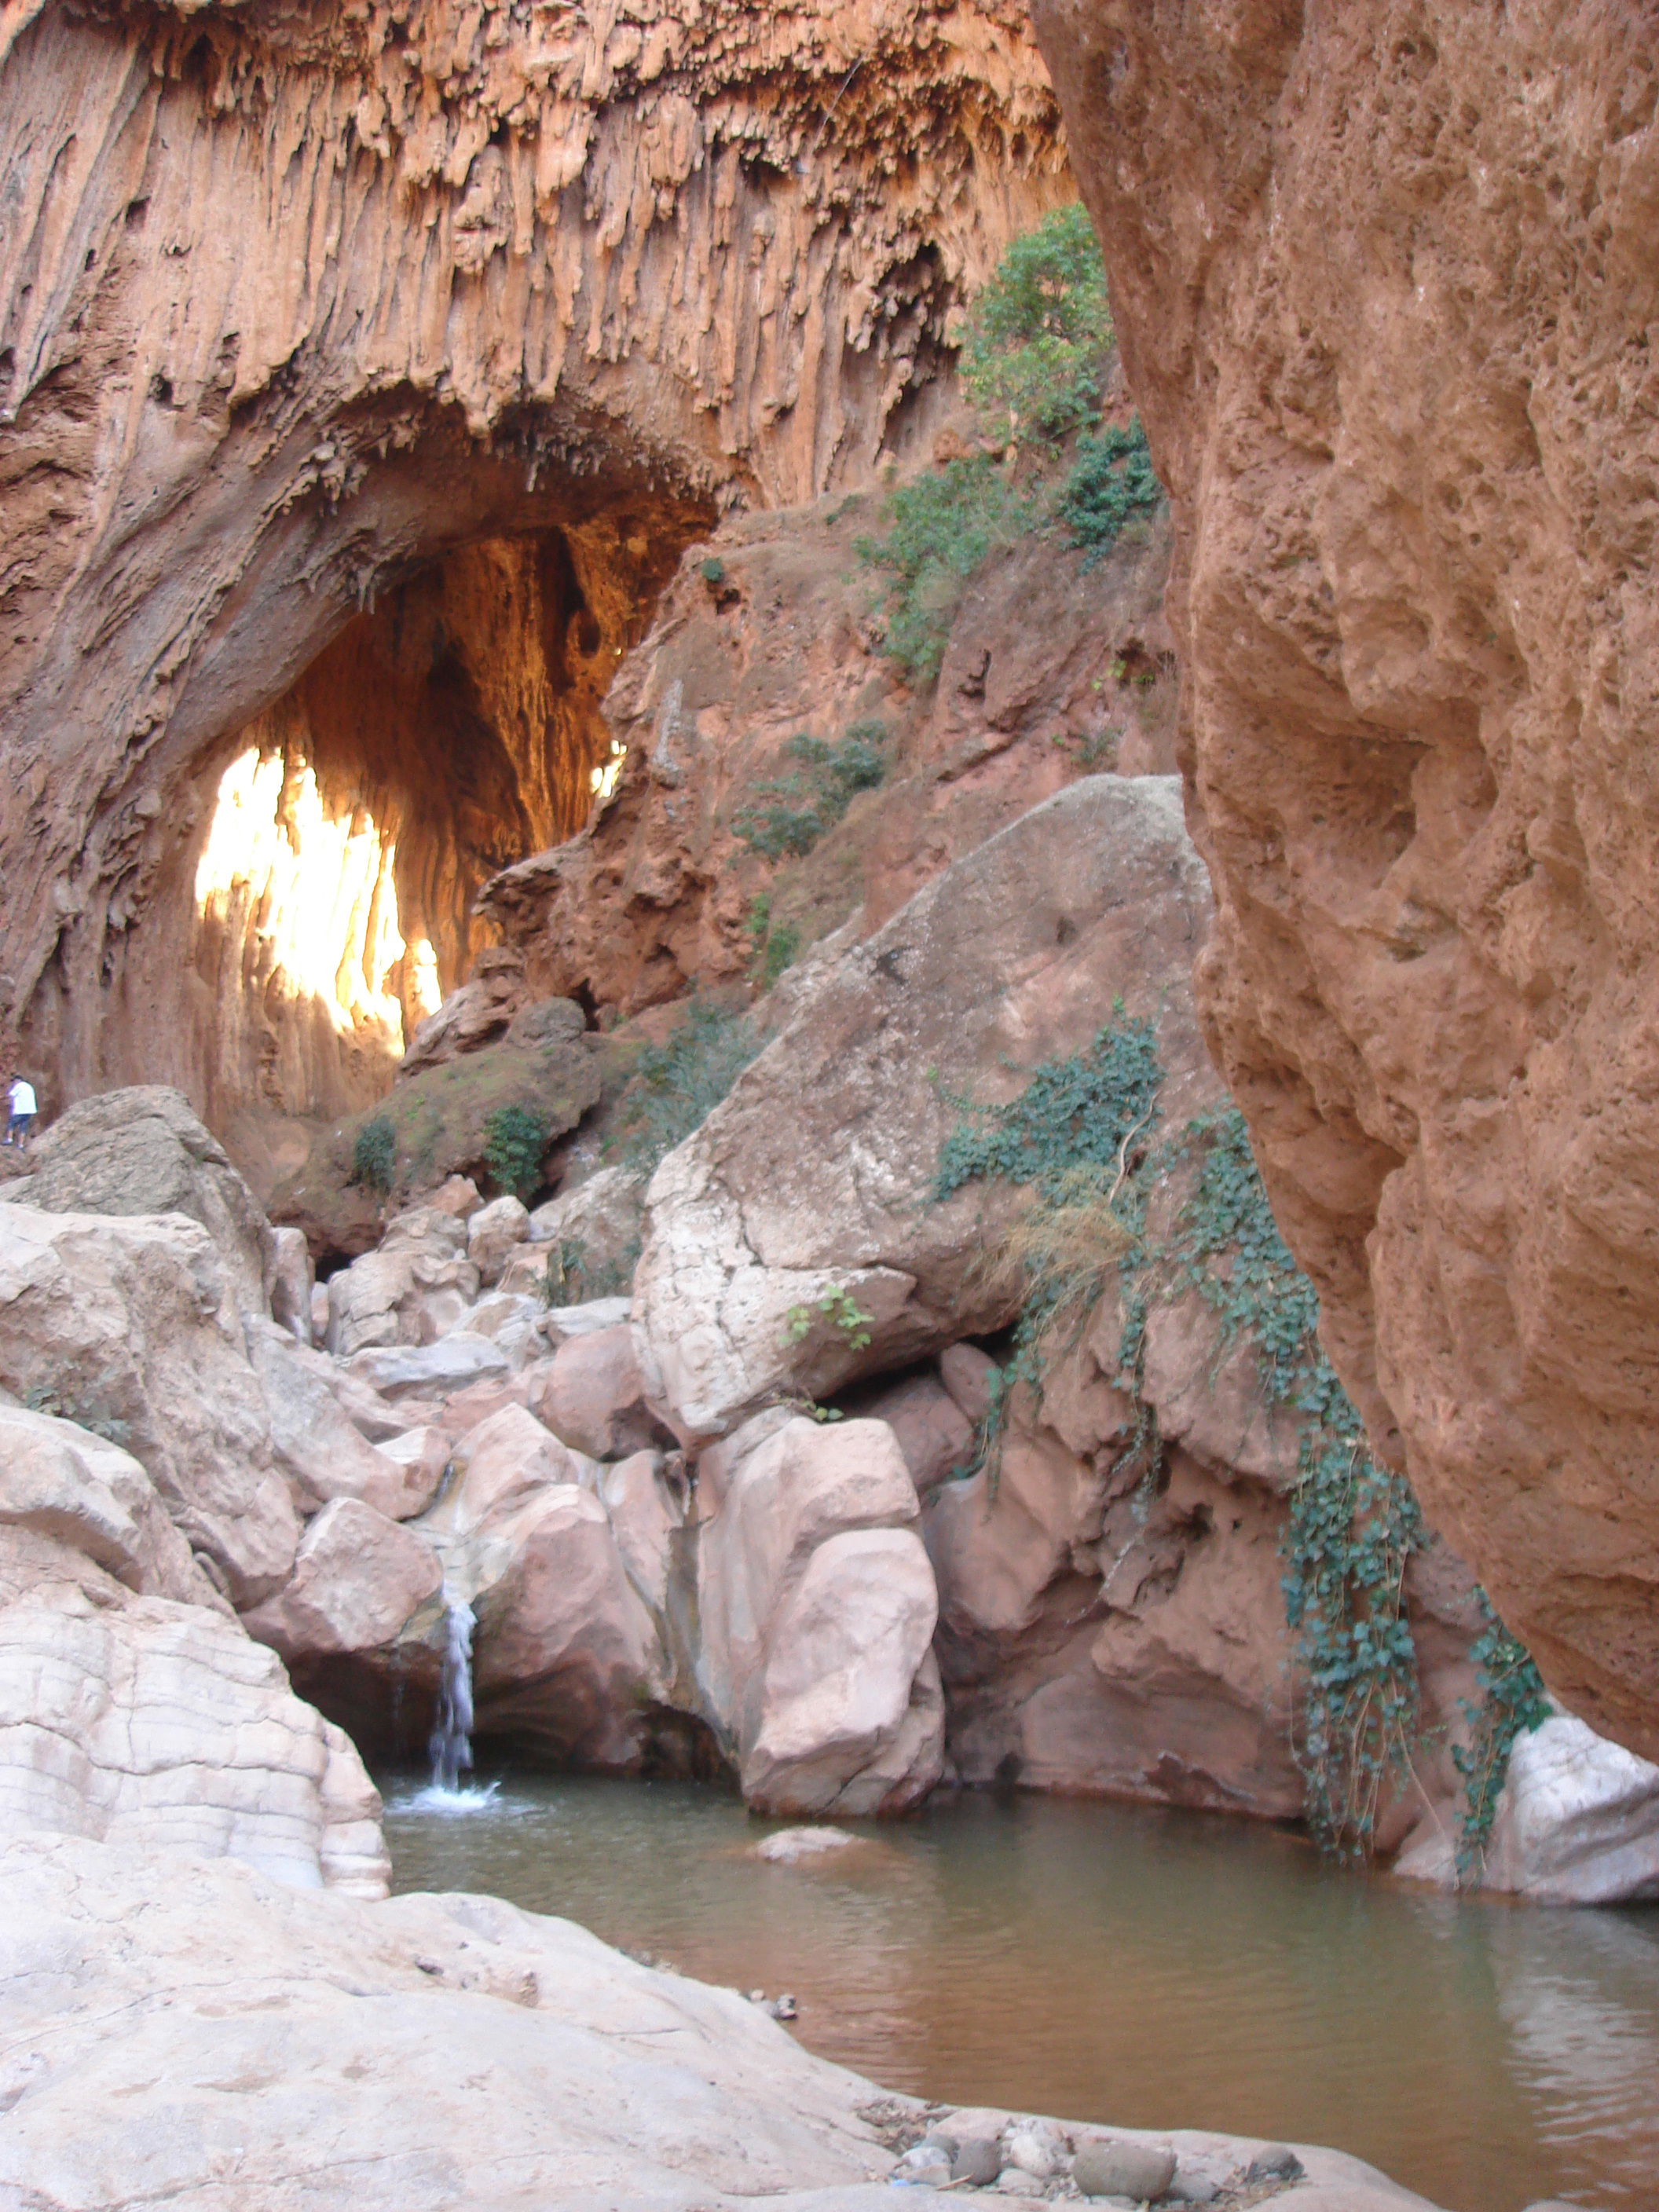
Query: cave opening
(451,727)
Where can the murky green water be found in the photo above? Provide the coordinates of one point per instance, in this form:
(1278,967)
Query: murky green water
(1154,1970)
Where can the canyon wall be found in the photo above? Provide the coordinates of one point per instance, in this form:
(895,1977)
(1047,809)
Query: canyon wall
(1386,288)
(293,307)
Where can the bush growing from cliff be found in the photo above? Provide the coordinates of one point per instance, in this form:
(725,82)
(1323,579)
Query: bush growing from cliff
(940,528)
(1111,480)
(374,1154)
(798,809)
(1038,334)
(515,1139)
(677,1085)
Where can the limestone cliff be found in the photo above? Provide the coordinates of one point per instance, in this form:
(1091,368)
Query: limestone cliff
(1385,284)
(295,305)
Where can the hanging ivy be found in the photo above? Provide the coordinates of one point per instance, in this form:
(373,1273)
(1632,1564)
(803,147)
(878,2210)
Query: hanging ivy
(1513,1702)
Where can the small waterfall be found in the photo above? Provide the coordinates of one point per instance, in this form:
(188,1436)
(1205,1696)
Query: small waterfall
(452,1736)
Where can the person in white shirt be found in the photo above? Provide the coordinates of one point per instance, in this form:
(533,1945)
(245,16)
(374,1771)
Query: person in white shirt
(23,1110)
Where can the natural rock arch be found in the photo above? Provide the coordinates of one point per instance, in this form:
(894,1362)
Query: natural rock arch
(297,315)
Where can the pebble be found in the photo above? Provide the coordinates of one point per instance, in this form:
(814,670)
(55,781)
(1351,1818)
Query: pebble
(1037,2146)
(924,2165)
(1014,2181)
(977,2163)
(790,1845)
(1141,2172)
(1279,2162)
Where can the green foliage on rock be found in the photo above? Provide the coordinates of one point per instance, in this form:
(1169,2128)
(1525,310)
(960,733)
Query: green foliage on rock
(941,528)
(515,1137)
(374,1154)
(1111,481)
(1073,1114)
(777,944)
(1513,1702)
(677,1085)
(1353,1524)
(1038,334)
(791,813)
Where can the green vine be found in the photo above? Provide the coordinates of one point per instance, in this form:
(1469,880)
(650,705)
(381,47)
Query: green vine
(1513,1702)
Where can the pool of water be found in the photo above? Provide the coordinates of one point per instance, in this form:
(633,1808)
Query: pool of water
(1107,1963)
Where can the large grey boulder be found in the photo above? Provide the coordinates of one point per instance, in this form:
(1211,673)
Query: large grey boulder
(816,1608)
(133,1707)
(810,1185)
(129,1328)
(143,1150)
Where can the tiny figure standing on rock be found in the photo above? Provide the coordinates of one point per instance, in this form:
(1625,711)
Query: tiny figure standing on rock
(23,1110)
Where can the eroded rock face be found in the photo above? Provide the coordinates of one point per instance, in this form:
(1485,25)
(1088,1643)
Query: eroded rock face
(461,282)
(1381,276)
(1051,667)
(134,1708)
(815,1176)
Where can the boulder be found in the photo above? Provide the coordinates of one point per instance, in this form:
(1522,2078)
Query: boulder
(595,1231)
(504,1461)
(450,1364)
(493,1233)
(412,1289)
(316,1443)
(142,1150)
(566,1657)
(131,1713)
(935,1435)
(816,1608)
(810,1185)
(1577,1820)
(645,1510)
(79,1490)
(358,1579)
(593,1396)
(512,1321)
(292,1283)
(128,1326)
(563,1322)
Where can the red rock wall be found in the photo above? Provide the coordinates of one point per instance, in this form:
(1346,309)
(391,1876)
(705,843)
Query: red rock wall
(1386,283)
(294,302)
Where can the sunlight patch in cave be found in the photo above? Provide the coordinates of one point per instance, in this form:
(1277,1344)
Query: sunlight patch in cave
(602,780)
(313,886)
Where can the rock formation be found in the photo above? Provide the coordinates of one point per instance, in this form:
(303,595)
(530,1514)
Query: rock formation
(1381,277)
(1053,666)
(409,351)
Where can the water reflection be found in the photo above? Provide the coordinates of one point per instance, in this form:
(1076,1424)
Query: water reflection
(1157,1970)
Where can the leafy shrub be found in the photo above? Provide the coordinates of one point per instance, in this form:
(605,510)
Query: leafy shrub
(1073,1113)
(1111,480)
(940,528)
(800,808)
(677,1085)
(374,1154)
(1038,334)
(515,1137)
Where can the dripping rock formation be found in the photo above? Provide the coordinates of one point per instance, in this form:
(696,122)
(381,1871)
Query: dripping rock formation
(1385,286)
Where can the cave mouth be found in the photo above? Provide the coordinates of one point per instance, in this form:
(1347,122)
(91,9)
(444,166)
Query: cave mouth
(451,728)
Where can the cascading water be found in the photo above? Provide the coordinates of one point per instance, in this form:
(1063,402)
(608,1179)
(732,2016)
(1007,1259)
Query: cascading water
(452,1736)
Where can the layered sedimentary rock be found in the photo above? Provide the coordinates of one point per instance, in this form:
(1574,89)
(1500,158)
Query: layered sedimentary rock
(1384,283)
(293,310)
